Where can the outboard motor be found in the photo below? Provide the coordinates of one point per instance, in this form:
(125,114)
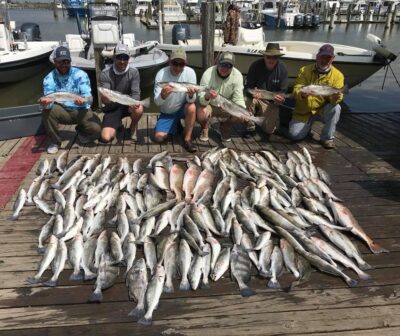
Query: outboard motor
(180,32)
(31,31)
(316,20)
(307,22)
(298,21)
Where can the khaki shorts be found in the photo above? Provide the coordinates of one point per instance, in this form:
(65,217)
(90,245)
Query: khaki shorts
(268,110)
(215,111)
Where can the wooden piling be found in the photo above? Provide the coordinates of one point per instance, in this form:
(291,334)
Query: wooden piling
(207,32)
(55,13)
(348,15)
(98,65)
(332,18)
(389,15)
(280,12)
(394,12)
(325,11)
(367,12)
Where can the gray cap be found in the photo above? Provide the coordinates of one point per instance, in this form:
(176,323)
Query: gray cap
(121,49)
(178,53)
(227,57)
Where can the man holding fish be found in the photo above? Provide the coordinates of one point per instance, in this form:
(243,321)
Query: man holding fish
(67,99)
(271,75)
(122,78)
(318,92)
(175,103)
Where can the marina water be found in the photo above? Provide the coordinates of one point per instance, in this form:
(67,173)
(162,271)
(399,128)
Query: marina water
(367,97)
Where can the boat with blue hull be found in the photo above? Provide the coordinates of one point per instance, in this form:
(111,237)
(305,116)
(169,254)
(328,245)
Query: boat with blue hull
(75,7)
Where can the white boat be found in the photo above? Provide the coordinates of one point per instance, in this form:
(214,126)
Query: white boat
(21,59)
(105,28)
(287,20)
(386,5)
(357,64)
(173,12)
(142,6)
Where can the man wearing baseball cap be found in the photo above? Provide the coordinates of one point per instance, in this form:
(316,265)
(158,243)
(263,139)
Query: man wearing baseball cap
(65,78)
(225,80)
(310,107)
(175,106)
(124,79)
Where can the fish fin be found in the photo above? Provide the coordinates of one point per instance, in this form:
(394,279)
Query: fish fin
(266,274)
(137,312)
(184,285)
(96,297)
(76,277)
(376,248)
(247,291)
(168,289)
(50,283)
(145,321)
(274,284)
(146,102)
(33,280)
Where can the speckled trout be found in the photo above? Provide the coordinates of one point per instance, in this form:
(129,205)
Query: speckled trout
(122,99)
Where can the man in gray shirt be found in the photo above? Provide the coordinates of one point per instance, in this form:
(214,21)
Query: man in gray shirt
(124,79)
(269,74)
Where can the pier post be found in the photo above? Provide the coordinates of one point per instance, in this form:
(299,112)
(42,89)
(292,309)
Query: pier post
(55,13)
(367,13)
(306,7)
(161,21)
(394,12)
(389,14)
(378,14)
(332,18)
(325,11)
(207,32)
(280,11)
(98,66)
(349,10)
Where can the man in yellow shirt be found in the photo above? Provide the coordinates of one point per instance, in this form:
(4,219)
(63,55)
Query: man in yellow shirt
(310,108)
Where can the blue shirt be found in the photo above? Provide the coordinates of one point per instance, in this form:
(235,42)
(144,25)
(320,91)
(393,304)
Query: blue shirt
(76,81)
(175,100)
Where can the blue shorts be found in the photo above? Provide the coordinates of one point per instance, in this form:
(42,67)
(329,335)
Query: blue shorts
(167,123)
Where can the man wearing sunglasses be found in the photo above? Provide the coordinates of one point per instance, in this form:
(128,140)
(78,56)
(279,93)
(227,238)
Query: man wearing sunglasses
(175,106)
(65,78)
(226,80)
(126,80)
(269,74)
(312,107)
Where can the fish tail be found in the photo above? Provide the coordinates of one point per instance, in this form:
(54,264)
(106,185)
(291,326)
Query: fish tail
(41,249)
(89,275)
(145,321)
(184,285)
(33,280)
(274,283)
(364,265)
(50,283)
(137,312)
(204,285)
(364,276)
(146,102)
(96,297)
(168,289)
(376,248)
(247,291)
(76,276)
(351,282)
(14,217)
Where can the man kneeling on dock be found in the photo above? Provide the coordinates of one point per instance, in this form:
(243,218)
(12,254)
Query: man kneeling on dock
(311,106)
(175,106)
(126,80)
(67,99)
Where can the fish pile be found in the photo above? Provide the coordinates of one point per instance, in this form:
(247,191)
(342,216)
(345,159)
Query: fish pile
(245,213)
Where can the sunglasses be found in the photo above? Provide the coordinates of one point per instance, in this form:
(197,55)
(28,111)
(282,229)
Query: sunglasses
(122,57)
(64,62)
(178,64)
(226,65)
(272,57)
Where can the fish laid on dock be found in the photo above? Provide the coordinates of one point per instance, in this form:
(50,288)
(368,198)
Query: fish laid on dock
(249,213)
(122,99)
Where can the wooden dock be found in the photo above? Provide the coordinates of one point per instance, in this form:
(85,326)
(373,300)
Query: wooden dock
(365,169)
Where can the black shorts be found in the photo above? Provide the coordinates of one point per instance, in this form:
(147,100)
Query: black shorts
(113,118)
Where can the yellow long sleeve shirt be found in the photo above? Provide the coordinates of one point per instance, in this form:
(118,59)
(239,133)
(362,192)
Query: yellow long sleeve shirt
(311,105)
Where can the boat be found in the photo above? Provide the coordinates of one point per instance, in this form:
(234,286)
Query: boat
(357,64)
(104,29)
(386,5)
(20,59)
(173,12)
(75,7)
(142,6)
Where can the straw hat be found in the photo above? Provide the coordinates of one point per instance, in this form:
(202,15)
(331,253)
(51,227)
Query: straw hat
(272,49)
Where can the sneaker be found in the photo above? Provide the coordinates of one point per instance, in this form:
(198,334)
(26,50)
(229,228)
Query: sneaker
(328,144)
(188,145)
(52,149)
(204,134)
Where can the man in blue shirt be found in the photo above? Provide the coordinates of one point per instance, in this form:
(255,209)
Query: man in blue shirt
(175,106)
(65,78)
